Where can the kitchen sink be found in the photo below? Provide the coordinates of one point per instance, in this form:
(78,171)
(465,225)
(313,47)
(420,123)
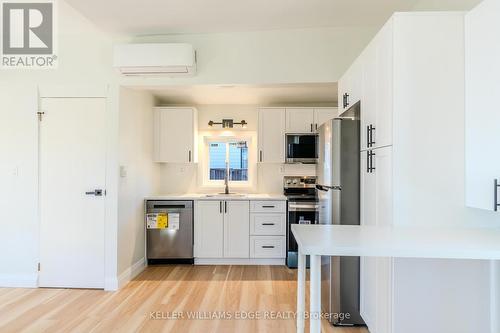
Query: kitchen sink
(223,195)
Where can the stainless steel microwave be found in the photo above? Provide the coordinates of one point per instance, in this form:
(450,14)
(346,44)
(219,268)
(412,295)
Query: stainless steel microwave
(301,148)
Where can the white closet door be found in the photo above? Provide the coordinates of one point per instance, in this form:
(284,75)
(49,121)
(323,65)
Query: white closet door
(72,162)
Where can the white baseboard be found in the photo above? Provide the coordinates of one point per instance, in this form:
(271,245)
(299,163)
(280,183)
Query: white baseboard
(131,272)
(236,261)
(19,281)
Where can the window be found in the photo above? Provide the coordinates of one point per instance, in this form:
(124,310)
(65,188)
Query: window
(233,152)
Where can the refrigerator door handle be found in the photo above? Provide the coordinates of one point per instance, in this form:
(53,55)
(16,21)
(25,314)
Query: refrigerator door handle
(327,188)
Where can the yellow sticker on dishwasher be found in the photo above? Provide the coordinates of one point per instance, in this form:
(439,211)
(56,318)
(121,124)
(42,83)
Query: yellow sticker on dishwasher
(162,221)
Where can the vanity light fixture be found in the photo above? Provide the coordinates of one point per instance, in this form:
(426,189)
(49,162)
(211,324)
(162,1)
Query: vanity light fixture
(228,123)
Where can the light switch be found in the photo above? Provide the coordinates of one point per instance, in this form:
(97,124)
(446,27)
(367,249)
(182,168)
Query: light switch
(123,171)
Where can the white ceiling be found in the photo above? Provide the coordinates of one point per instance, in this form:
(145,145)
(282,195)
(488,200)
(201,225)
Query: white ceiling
(201,16)
(283,94)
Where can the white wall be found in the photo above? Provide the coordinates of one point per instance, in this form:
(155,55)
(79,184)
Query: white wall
(18,179)
(266,57)
(268,177)
(84,59)
(141,178)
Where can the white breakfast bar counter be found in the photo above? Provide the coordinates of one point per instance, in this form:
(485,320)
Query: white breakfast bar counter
(370,241)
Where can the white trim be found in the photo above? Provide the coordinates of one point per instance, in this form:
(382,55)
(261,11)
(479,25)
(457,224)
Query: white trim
(131,272)
(19,281)
(237,261)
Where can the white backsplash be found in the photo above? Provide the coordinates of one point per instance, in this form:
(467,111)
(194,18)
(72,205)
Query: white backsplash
(182,178)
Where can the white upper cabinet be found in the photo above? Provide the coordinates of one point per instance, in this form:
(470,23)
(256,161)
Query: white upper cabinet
(482,111)
(272,135)
(236,229)
(350,86)
(300,120)
(175,135)
(377,89)
(322,115)
(308,120)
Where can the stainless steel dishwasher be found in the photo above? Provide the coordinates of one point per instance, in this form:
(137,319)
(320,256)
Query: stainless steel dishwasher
(172,244)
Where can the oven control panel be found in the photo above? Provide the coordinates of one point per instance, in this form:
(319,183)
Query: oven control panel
(299,182)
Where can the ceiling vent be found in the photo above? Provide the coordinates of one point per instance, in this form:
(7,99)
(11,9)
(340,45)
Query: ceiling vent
(155,59)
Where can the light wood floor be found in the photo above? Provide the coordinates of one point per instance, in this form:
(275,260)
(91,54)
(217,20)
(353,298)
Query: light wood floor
(160,291)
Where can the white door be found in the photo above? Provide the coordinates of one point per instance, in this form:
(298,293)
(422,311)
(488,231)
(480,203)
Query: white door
(300,120)
(72,162)
(272,135)
(236,229)
(482,116)
(175,135)
(208,229)
(321,116)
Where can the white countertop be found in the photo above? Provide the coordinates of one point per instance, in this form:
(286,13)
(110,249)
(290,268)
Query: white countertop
(408,242)
(215,196)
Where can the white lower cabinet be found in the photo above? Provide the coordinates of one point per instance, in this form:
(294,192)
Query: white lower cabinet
(267,246)
(239,229)
(376,210)
(208,229)
(236,229)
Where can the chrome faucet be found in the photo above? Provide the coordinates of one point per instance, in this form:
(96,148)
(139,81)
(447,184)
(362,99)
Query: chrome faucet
(226,179)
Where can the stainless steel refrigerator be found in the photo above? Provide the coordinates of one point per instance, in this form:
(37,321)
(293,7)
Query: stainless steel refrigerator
(338,172)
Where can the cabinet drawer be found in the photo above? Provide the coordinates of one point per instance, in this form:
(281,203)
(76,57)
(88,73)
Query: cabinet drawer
(267,246)
(268,224)
(268,206)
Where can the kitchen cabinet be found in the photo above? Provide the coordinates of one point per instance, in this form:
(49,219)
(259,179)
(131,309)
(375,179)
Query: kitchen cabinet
(299,120)
(376,90)
(482,115)
(409,154)
(376,210)
(222,229)
(272,135)
(236,229)
(175,135)
(322,115)
(350,86)
(208,229)
(307,120)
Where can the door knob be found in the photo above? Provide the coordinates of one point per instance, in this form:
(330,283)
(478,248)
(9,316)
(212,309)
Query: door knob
(97,192)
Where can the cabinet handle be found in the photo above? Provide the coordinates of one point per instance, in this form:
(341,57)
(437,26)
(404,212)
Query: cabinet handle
(190,156)
(368,136)
(225,206)
(220,207)
(267,223)
(311,127)
(497,204)
(268,246)
(367,161)
(268,206)
(372,168)
(346,100)
(316,127)
(372,128)
(260,156)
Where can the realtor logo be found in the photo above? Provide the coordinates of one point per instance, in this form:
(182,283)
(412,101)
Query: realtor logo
(28,35)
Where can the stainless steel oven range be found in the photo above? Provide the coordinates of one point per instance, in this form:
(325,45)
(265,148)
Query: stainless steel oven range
(302,209)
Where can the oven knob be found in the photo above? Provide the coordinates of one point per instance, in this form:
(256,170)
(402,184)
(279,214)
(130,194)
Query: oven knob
(295,182)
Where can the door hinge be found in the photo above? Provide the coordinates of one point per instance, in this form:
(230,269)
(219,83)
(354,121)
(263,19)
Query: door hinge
(39,267)
(40,114)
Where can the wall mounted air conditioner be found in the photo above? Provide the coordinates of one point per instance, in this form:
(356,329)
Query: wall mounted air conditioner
(174,59)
